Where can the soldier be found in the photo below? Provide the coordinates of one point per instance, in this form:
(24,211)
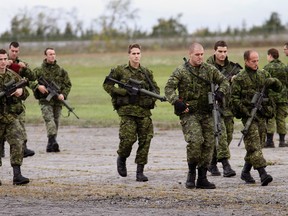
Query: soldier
(51,110)
(21,68)
(285,49)
(229,69)
(10,127)
(187,89)
(249,81)
(134,111)
(277,69)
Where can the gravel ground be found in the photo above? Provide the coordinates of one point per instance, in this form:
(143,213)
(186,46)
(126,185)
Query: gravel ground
(82,179)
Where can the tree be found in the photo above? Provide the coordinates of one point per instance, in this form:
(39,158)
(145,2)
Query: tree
(169,28)
(273,24)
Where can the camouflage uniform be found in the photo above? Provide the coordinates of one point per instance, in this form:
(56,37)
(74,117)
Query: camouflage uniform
(134,111)
(51,110)
(197,125)
(244,86)
(10,127)
(278,69)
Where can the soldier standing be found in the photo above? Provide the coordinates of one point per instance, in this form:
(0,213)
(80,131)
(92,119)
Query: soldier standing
(229,69)
(187,89)
(10,127)
(245,85)
(51,110)
(277,69)
(134,111)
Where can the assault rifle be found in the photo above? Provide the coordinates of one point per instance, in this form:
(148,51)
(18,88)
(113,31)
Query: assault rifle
(233,72)
(215,113)
(134,87)
(54,90)
(256,101)
(12,86)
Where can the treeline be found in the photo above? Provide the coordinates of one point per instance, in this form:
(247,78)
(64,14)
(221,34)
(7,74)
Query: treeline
(118,22)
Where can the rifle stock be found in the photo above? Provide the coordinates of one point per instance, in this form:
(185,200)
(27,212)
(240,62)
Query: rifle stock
(54,90)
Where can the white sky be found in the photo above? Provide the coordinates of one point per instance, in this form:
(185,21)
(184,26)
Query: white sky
(214,14)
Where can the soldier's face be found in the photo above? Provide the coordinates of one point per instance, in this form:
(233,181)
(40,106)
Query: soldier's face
(285,49)
(196,56)
(13,52)
(253,61)
(135,56)
(3,61)
(221,53)
(50,56)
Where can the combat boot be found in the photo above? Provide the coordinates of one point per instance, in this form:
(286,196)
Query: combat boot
(2,147)
(139,173)
(245,174)
(282,141)
(202,181)
(265,178)
(18,179)
(213,169)
(227,170)
(269,141)
(121,166)
(27,152)
(52,145)
(191,176)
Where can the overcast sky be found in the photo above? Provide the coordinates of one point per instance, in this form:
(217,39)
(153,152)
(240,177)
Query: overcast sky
(214,14)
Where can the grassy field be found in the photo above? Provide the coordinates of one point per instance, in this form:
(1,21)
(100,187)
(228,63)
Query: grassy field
(92,104)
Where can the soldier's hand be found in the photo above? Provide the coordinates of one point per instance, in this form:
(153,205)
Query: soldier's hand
(42,89)
(18,92)
(180,107)
(120,91)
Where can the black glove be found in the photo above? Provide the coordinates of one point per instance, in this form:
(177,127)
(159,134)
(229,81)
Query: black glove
(219,96)
(179,107)
(269,82)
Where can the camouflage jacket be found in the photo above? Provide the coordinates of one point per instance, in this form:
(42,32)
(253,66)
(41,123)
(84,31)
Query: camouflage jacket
(278,70)
(10,107)
(192,89)
(244,86)
(51,72)
(229,70)
(23,72)
(125,104)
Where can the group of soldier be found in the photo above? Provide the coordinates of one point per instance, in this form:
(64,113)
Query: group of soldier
(15,76)
(188,89)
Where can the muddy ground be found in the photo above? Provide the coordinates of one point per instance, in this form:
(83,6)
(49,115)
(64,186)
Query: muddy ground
(82,179)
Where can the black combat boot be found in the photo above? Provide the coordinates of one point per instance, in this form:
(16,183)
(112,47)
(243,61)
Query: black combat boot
(202,181)
(139,173)
(52,145)
(245,174)
(191,176)
(282,141)
(2,147)
(227,170)
(265,178)
(121,166)
(27,152)
(212,168)
(269,141)
(18,179)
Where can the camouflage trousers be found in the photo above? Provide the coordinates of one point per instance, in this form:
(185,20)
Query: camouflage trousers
(222,150)
(13,134)
(198,133)
(229,124)
(253,143)
(51,115)
(132,127)
(279,120)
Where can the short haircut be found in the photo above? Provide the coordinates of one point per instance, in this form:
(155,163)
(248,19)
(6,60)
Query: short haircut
(14,44)
(131,46)
(220,44)
(286,44)
(48,48)
(273,52)
(3,51)
(247,54)
(194,46)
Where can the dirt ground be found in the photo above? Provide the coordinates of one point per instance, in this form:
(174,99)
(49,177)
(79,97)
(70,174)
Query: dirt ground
(82,179)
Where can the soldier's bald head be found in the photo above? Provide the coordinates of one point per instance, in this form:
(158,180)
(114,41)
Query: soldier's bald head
(195,46)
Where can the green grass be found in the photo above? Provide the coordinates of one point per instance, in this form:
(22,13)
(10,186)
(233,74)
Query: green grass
(93,105)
